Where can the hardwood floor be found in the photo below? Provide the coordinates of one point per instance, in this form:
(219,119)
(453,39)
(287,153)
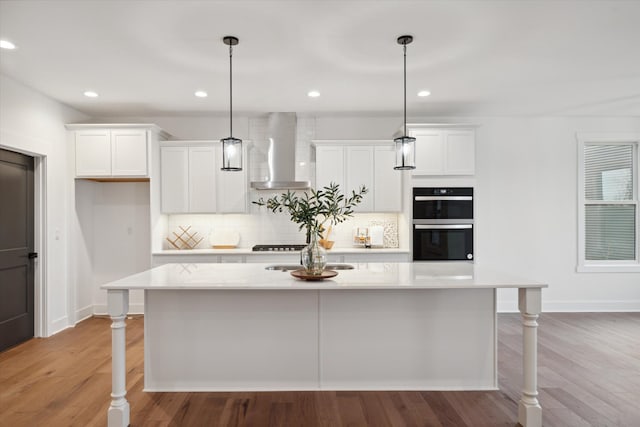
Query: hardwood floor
(589,375)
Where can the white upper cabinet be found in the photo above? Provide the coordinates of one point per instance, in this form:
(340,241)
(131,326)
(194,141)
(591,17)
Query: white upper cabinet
(330,166)
(231,187)
(461,152)
(129,152)
(174,179)
(102,152)
(387,182)
(441,151)
(353,164)
(359,172)
(192,182)
(430,151)
(202,179)
(93,152)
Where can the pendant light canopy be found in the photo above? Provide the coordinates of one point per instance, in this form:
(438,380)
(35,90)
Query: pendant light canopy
(231,147)
(405,145)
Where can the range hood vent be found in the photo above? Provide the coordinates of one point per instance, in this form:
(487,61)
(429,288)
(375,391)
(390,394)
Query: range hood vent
(281,155)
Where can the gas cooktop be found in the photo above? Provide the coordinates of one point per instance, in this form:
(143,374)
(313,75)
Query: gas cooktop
(277,248)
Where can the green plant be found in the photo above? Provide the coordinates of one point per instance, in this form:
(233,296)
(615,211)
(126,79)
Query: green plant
(314,208)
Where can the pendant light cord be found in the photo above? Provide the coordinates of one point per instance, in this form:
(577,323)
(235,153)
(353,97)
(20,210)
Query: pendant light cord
(404,49)
(230,91)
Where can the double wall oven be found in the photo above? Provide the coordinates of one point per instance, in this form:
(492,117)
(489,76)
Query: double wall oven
(443,224)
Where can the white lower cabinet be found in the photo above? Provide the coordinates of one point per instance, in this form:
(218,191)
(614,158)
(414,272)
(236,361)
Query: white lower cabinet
(282,258)
(353,164)
(373,257)
(192,182)
(187,258)
(232,259)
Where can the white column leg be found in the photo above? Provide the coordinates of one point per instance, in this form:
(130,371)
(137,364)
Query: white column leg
(118,304)
(529,409)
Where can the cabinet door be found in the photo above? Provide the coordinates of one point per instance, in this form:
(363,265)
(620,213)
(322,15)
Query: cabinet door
(93,153)
(359,172)
(225,259)
(174,179)
(129,152)
(429,152)
(330,166)
(202,179)
(231,187)
(387,183)
(460,153)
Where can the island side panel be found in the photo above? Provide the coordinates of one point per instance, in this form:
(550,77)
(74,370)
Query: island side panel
(437,339)
(210,340)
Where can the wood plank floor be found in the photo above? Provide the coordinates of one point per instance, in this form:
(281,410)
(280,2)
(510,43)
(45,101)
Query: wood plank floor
(589,375)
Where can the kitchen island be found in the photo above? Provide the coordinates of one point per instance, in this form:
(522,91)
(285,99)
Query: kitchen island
(378,326)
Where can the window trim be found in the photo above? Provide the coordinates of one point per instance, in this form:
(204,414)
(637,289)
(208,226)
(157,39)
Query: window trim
(611,138)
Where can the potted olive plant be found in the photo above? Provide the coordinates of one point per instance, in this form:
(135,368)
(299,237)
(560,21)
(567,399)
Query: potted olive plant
(313,210)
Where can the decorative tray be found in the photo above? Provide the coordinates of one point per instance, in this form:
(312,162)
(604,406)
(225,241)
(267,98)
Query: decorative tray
(303,275)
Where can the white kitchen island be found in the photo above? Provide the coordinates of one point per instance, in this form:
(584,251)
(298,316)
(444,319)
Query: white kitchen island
(380,326)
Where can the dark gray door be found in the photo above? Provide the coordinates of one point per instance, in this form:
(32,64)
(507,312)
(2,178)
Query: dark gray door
(16,248)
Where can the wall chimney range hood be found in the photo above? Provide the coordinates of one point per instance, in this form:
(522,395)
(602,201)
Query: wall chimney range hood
(281,155)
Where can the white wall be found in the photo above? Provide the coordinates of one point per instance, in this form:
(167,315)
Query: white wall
(122,238)
(34,124)
(527,183)
(113,241)
(526,198)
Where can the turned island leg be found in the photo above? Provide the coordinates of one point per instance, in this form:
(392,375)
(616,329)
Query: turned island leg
(118,306)
(529,409)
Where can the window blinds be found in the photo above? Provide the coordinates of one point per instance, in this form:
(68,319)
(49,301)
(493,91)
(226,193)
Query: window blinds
(610,208)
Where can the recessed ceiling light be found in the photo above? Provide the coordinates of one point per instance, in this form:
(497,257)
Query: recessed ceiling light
(313,94)
(90,94)
(6,44)
(201,94)
(424,93)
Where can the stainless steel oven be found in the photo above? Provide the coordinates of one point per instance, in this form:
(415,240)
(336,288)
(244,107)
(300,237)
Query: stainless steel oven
(443,224)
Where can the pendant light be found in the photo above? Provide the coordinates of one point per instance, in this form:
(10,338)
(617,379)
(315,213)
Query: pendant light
(405,145)
(231,147)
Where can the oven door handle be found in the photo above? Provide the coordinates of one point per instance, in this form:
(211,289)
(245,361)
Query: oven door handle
(443,198)
(443,227)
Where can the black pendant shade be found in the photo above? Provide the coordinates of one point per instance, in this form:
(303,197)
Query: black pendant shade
(405,145)
(231,147)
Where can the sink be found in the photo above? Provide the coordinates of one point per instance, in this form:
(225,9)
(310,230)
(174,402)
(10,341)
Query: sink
(288,267)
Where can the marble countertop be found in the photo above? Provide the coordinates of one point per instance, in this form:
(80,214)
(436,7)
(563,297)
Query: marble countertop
(236,276)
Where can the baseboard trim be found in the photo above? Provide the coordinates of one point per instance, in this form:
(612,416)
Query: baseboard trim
(577,306)
(101,309)
(84,313)
(58,325)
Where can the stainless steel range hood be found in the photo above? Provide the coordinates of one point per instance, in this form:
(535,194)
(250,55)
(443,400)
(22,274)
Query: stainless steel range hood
(281,156)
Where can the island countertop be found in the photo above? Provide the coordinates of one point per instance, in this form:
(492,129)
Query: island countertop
(431,275)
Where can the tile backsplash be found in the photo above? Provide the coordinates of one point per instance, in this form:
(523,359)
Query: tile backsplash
(265,227)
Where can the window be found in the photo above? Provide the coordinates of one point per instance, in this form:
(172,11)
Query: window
(608,202)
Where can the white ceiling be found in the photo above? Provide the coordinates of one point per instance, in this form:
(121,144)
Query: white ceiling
(476,57)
